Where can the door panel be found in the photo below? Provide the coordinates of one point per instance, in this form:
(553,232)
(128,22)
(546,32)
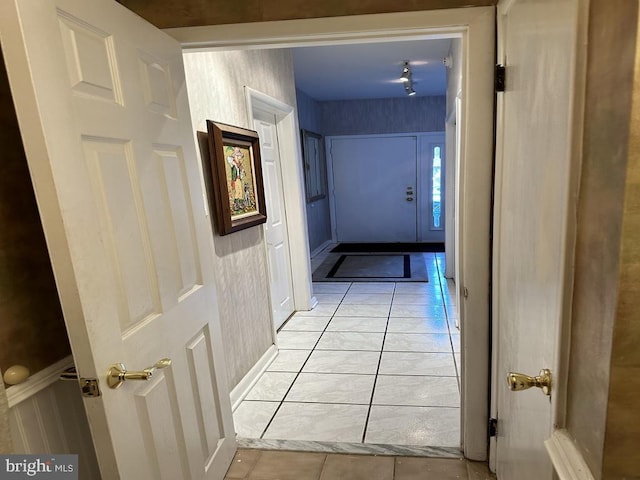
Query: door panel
(276,236)
(371,180)
(532,197)
(102,105)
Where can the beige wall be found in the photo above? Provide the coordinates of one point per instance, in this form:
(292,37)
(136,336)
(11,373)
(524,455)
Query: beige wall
(622,438)
(186,13)
(599,419)
(215,82)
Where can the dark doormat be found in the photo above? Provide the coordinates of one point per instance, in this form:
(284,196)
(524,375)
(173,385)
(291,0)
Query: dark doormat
(387,247)
(372,268)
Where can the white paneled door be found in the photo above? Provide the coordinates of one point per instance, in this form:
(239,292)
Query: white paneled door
(375,188)
(276,238)
(538,42)
(103,111)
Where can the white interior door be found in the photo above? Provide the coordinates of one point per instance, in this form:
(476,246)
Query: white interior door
(276,227)
(374,188)
(103,111)
(538,45)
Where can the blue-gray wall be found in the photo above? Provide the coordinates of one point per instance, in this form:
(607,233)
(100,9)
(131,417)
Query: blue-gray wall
(363,117)
(309,112)
(380,116)
(318,216)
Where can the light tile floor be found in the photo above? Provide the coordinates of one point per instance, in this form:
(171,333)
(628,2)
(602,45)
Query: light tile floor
(372,363)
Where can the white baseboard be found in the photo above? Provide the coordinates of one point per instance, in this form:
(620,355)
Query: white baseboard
(249,380)
(321,248)
(566,458)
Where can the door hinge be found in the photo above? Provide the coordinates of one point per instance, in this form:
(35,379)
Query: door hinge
(465,292)
(500,78)
(493,427)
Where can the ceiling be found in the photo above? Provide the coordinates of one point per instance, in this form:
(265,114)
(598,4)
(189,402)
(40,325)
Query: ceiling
(370,70)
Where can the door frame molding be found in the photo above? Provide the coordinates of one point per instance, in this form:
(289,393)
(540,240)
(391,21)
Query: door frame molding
(294,201)
(420,174)
(476,28)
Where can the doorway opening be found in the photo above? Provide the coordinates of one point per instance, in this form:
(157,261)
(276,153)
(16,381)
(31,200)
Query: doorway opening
(475,28)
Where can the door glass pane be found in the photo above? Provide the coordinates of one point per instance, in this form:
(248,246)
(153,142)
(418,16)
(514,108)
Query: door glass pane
(436,184)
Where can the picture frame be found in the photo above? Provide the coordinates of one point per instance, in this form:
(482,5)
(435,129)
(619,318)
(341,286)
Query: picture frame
(237,189)
(314,166)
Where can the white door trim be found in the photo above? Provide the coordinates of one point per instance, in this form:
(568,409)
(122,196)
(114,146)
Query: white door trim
(476,27)
(566,458)
(294,203)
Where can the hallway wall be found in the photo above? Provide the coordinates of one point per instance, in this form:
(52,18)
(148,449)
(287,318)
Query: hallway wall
(318,216)
(383,116)
(216,83)
(454,85)
(622,436)
(602,413)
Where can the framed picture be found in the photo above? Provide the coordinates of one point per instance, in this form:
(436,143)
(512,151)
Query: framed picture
(236,170)
(315,171)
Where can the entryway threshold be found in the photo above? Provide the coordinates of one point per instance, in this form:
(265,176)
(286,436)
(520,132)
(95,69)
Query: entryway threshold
(350,448)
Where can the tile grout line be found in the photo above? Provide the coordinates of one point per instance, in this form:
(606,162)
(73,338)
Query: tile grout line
(301,368)
(375,380)
(377,374)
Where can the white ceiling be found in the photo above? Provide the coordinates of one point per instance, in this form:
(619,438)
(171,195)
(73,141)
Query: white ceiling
(370,70)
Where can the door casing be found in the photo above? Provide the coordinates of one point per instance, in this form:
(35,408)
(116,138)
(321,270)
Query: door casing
(476,28)
(294,203)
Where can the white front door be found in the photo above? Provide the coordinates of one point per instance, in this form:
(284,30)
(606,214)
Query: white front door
(375,188)
(275,229)
(533,177)
(102,105)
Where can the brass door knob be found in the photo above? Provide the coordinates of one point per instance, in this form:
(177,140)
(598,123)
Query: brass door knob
(118,373)
(520,381)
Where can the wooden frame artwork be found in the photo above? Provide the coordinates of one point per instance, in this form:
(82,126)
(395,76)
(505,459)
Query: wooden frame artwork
(236,169)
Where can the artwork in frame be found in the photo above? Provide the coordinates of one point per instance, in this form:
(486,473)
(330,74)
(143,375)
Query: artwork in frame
(236,169)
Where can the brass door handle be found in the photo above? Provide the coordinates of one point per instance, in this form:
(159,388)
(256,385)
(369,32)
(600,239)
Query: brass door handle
(520,381)
(118,373)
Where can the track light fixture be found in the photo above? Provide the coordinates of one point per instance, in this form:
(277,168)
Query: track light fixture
(407,78)
(406,72)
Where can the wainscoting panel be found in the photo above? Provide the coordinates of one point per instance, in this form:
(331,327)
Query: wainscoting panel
(53,421)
